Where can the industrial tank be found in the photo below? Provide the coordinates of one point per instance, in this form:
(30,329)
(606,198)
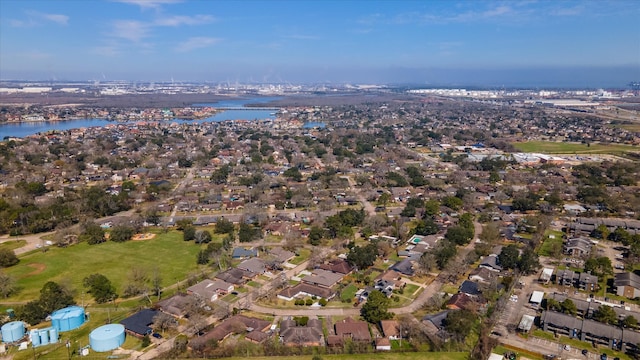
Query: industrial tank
(35,338)
(12,332)
(44,337)
(53,335)
(68,318)
(107,337)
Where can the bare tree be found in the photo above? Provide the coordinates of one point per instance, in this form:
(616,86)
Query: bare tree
(163,321)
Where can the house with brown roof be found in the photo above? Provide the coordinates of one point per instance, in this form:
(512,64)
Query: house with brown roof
(235,324)
(461,301)
(303,290)
(339,266)
(383,344)
(323,278)
(235,276)
(356,330)
(175,305)
(309,335)
(390,329)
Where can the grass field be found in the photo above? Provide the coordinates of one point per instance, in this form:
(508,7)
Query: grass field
(13,244)
(172,256)
(550,147)
(349,292)
(550,246)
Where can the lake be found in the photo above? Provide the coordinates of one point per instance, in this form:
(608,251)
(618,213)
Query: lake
(29,128)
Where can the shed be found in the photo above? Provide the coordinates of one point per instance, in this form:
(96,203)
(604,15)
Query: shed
(536,297)
(526,322)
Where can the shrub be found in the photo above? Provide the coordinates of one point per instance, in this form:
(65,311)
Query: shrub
(309,302)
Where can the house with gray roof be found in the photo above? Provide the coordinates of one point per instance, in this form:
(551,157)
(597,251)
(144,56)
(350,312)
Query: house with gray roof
(627,284)
(323,278)
(253,265)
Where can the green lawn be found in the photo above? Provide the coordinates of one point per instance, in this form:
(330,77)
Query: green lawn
(551,147)
(349,292)
(303,255)
(172,256)
(13,244)
(409,289)
(253,284)
(549,245)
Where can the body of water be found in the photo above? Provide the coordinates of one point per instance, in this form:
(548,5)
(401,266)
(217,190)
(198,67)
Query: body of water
(29,128)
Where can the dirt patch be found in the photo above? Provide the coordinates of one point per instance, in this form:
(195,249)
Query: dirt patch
(37,268)
(140,237)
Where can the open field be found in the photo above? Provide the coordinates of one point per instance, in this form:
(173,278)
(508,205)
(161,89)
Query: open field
(550,147)
(13,244)
(173,257)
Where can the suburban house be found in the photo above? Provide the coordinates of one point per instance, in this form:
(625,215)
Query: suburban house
(281,255)
(627,284)
(303,290)
(235,324)
(139,324)
(470,288)
(209,290)
(339,266)
(461,301)
(175,305)
(253,265)
(235,276)
(491,262)
(322,278)
(390,329)
(483,275)
(309,335)
(356,330)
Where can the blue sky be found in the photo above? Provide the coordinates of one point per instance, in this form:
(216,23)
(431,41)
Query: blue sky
(563,43)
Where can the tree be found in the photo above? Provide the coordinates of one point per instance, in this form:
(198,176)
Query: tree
(223,226)
(293,173)
(568,307)
(92,233)
(508,257)
(7,285)
(459,323)
(8,258)
(431,207)
(600,266)
(202,237)
(376,308)
(426,227)
(630,321)
(606,314)
(54,297)
(189,233)
(247,232)
(363,257)
(458,235)
(528,261)
(121,233)
(163,321)
(32,312)
(316,233)
(183,223)
(452,202)
(100,288)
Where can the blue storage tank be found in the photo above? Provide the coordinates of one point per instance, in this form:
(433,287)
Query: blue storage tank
(44,337)
(12,332)
(68,318)
(35,338)
(107,337)
(53,335)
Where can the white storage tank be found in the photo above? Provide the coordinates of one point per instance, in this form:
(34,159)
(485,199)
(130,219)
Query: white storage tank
(12,332)
(107,337)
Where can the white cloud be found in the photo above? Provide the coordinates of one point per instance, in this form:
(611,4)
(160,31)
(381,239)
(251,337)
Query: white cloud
(197,43)
(57,18)
(35,18)
(149,4)
(178,20)
(131,30)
